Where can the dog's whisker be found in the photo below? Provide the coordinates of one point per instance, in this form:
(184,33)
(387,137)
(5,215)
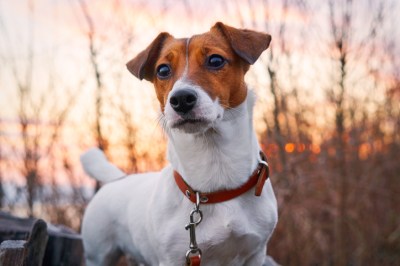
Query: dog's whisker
(162,122)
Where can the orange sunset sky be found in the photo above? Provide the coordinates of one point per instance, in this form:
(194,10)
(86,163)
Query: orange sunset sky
(54,35)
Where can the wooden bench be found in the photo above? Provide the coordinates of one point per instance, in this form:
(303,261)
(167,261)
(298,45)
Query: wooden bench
(32,242)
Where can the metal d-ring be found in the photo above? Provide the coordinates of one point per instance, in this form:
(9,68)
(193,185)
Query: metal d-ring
(194,252)
(263,162)
(197,206)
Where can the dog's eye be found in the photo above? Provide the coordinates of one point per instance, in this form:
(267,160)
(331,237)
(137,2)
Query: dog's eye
(215,61)
(163,71)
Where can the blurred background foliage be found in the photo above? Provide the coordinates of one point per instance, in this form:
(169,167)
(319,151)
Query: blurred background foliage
(327,114)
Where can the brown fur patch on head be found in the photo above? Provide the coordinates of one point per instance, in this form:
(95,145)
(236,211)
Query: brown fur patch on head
(239,48)
(226,84)
(142,66)
(248,44)
(173,55)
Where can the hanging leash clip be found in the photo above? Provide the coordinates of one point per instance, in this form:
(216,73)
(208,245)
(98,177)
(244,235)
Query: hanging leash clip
(193,255)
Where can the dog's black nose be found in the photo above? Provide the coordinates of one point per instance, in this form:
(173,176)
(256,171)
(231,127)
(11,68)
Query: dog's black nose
(182,101)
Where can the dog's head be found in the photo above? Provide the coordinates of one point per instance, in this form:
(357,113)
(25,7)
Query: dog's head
(198,78)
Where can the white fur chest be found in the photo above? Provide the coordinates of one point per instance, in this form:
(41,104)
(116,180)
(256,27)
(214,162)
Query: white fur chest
(229,234)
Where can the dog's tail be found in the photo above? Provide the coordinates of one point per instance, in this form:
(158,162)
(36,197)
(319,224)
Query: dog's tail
(97,166)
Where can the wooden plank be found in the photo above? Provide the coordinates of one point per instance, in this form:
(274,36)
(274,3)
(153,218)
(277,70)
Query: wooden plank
(12,252)
(64,246)
(36,244)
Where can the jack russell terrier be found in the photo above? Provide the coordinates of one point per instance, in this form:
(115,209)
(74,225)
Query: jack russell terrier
(217,185)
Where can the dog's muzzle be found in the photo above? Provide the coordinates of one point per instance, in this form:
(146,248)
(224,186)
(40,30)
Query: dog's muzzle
(190,109)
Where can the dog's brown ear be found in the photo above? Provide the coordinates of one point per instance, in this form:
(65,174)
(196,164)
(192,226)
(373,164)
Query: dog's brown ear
(143,64)
(247,44)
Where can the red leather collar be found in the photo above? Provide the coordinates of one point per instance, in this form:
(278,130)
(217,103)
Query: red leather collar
(257,179)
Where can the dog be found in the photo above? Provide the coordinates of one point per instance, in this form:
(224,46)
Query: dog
(214,203)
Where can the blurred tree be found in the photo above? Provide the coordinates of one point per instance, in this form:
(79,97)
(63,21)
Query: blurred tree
(346,45)
(102,142)
(116,104)
(40,118)
(341,37)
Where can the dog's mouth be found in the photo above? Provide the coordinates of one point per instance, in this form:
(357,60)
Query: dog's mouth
(189,121)
(192,125)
